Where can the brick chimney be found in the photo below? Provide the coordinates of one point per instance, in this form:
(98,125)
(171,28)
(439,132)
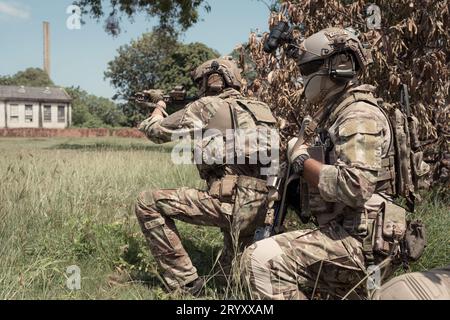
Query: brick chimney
(47,47)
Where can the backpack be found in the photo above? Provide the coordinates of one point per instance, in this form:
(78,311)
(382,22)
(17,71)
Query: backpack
(412,172)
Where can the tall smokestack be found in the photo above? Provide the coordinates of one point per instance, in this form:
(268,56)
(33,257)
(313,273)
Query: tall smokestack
(47,47)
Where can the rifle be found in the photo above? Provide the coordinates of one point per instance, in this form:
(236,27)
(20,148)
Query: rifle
(413,123)
(279,208)
(176,98)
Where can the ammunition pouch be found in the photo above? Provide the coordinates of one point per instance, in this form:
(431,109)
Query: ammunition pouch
(357,224)
(227,188)
(415,240)
(224,189)
(389,229)
(387,233)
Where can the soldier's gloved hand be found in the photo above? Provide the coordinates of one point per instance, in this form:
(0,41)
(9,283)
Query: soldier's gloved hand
(154,95)
(297,155)
(273,195)
(154,100)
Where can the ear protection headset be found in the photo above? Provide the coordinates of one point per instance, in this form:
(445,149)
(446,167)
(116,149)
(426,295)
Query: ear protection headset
(339,70)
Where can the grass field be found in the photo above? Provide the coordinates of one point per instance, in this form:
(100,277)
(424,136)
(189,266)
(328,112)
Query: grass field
(67,202)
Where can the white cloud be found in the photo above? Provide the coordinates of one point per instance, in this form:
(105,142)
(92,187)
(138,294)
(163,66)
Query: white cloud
(15,9)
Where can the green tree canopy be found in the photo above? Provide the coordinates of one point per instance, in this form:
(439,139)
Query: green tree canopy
(171,13)
(31,77)
(242,55)
(154,61)
(90,111)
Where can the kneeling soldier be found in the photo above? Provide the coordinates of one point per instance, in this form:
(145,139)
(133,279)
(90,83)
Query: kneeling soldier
(236,195)
(351,180)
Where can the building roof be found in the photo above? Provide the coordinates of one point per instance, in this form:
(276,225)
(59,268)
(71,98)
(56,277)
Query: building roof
(39,94)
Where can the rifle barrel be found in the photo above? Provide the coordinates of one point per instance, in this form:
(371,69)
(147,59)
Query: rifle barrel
(404,100)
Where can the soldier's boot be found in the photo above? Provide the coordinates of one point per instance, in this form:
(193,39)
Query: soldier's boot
(194,288)
(165,244)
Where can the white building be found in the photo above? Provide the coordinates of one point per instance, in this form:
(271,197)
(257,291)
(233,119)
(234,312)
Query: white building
(31,107)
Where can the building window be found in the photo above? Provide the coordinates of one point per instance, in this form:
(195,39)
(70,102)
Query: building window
(28,113)
(14,114)
(47,113)
(61,114)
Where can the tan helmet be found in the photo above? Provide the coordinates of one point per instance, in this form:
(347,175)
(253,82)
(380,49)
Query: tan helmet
(428,285)
(224,66)
(328,60)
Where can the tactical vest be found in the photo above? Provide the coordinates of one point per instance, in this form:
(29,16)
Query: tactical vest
(403,171)
(227,118)
(240,114)
(386,177)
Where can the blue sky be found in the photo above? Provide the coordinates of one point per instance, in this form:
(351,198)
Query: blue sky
(79,57)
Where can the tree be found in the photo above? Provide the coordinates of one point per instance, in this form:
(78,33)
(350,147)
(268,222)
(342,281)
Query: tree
(90,111)
(243,56)
(31,77)
(154,61)
(171,13)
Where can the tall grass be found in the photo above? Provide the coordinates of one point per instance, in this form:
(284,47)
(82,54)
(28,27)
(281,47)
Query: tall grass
(63,205)
(70,202)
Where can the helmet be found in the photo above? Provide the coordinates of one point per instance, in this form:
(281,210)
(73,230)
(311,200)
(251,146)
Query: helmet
(428,285)
(225,67)
(328,60)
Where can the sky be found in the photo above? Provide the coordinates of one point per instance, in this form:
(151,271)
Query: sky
(80,57)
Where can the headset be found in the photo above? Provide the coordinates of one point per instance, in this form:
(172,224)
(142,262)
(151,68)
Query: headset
(342,75)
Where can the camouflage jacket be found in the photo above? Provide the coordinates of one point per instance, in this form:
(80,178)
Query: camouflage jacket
(358,140)
(212,114)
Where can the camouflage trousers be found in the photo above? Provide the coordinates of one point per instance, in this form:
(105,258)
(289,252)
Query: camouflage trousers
(300,264)
(237,216)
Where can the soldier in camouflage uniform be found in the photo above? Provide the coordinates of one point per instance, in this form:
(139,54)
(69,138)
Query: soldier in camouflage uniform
(236,195)
(347,187)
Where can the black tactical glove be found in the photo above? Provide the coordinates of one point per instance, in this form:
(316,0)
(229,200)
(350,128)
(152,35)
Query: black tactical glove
(299,163)
(297,156)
